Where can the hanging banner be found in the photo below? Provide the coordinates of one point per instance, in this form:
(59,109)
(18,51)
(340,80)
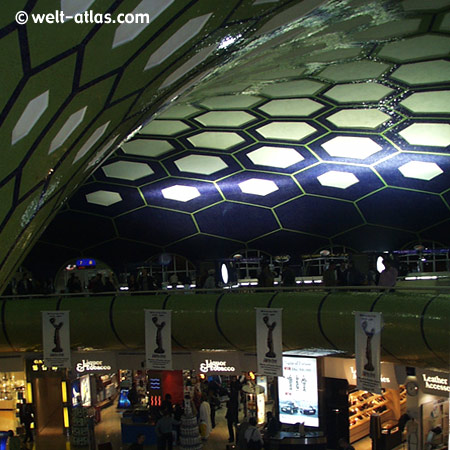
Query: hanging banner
(56,339)
(158,339)
(269,347)
(367,351)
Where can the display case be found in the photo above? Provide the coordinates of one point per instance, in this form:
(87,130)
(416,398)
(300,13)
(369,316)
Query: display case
(362,405)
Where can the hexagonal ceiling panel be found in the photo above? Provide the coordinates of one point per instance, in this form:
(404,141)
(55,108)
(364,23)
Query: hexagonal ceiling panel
(236,124)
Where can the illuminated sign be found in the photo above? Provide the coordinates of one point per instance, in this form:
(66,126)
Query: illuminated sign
(436,382)
(215,366)
(298,391)
(86,366)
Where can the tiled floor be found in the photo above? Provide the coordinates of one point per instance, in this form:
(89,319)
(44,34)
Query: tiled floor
(108,430)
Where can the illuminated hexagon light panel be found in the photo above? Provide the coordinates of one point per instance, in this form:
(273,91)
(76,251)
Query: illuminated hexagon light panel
(127,170)
(292,131)
(416,48)
(218,140)
(280,157)
(180,193)
(358,92)
(230,102)
(291,107)
(420,170)
(201,164)
(351,147)
(147,147)
(427,72)
(341,180)
(126,32)
(103,198)
(165,127)
(300,88)
(225,118)
(30,115)
(434,102)
(354,71)
(359,118)
(257,186)
(427,134)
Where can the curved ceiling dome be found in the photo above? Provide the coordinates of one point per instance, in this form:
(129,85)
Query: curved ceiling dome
(278,125)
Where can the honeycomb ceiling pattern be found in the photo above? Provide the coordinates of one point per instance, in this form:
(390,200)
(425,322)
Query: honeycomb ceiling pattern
(286,126)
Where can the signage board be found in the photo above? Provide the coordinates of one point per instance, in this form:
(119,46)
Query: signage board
(368,351)
(269,346)
(56,339)
(298,391)
(217,363)
(434,382)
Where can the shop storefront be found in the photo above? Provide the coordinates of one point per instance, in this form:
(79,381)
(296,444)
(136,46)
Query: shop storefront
(358,414)
(13,390)
(429,405)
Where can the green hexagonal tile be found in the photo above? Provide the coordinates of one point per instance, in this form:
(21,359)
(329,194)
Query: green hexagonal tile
(445,24)
(434,102)
(178,112)
(295,131)
(225,118)
(281,157)
(427,72)
(218,140)
(429,134)
(202,164)
(147,147)
(358,92)
(165,127)
(297,88)
(351,147)
(291,107)
(338,54)
(389,30)
(353,71)
(230,101)
(6,194)
(416,48)
(420,170)
(127,170)
(419,5)
(359,118)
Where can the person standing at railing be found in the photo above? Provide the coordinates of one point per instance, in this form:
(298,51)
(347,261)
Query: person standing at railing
(388,277)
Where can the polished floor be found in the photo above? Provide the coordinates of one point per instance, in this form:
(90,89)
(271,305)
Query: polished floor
(108,430)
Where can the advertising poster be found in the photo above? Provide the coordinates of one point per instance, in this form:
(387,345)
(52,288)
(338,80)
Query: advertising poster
(298,391)
(56,339)
(269,345)
(158,339)
(367,351)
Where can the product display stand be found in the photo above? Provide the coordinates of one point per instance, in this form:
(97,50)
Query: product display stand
(189,434)
(82,429)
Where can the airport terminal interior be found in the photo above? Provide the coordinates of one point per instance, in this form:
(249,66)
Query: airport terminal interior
(261,184)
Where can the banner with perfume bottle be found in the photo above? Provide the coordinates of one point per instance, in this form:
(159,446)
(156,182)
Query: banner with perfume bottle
(56,339)
(269,346)
(368,350)
(158,339)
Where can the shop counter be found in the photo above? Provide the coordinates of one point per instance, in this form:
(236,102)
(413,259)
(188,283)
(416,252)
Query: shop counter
(287,439)
(132,429)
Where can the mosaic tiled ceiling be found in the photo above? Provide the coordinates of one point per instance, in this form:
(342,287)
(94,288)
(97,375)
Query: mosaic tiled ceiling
(286,126)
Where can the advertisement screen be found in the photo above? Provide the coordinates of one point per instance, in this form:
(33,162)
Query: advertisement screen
(85,391)
(298,393)
(76,394)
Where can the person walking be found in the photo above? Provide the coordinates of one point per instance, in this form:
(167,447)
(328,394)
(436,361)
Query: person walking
(139,444)
(204,418)
(164,431)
